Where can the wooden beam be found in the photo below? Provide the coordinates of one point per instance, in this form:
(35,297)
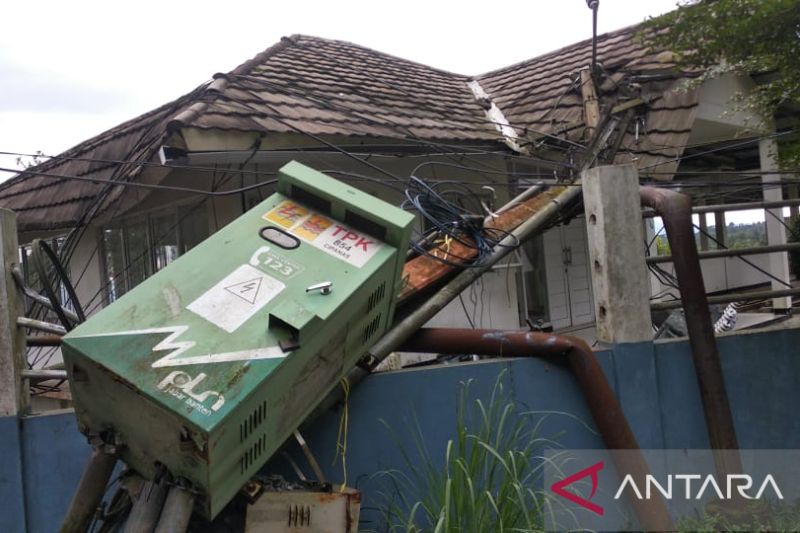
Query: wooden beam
(591,106)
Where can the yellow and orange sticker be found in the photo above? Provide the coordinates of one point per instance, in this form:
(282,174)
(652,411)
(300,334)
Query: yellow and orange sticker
(286,213)
(313,227)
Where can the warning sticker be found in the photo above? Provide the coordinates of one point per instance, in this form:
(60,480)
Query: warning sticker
(324,233)
(287,214)
(236,298)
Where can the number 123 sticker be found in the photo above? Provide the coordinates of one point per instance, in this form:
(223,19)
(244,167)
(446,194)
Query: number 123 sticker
(264,259)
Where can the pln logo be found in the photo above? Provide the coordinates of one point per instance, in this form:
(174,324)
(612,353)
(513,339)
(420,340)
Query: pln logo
(182,386)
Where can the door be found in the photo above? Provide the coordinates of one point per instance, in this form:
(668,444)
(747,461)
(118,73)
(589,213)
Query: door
(569,288)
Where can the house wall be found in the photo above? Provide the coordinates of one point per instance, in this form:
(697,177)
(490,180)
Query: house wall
(43,456)
(715,119)
(86,270)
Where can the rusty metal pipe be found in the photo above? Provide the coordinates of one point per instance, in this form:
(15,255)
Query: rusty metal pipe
(606,410)
(44,374)
(90,491)
(43,340)
(675,209)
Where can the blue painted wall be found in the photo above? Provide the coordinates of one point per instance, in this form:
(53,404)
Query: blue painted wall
(54,454)
(42,457)
(12,498)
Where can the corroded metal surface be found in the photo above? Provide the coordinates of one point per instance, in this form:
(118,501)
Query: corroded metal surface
(675,210)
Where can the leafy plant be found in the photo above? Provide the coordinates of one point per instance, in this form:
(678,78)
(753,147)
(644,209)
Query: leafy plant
(489,477)
(742,37)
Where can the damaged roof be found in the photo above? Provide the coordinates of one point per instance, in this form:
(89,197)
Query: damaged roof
(542,95)
(328,89)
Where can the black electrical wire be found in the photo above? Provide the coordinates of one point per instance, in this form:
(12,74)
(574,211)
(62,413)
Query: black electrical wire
(151,186)
(742,258)
(448,222)
(54,159)
(788,228)
(719,149)
(545,175)
(41,251)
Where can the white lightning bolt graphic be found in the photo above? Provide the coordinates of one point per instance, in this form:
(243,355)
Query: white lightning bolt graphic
(177,347)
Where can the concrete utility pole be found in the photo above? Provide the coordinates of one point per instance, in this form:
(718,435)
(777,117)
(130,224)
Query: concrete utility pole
(616,251)
(13,396)
(776,232)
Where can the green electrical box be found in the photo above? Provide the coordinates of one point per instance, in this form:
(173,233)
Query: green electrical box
(209,366)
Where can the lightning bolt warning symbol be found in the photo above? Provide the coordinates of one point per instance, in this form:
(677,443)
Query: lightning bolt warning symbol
(246,290)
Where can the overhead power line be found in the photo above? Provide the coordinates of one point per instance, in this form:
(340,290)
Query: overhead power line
(152,186)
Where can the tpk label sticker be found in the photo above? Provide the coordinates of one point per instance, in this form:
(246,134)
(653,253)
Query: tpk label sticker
(347,244)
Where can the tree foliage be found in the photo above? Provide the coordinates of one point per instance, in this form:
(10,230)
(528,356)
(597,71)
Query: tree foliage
(742,37)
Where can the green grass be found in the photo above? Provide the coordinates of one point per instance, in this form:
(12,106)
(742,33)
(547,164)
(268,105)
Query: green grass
(488,480)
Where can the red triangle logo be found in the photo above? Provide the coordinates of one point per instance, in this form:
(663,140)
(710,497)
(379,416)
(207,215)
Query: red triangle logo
(560,486)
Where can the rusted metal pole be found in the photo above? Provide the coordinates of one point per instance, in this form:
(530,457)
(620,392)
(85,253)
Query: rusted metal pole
(43,340)
(90,490)
(44,374)
(606,410)
(177,511)
(675,210)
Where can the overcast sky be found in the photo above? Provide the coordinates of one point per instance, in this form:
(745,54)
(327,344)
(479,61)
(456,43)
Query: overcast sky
(71,69)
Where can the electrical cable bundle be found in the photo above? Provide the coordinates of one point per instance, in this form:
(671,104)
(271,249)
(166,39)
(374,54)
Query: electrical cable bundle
(446,222)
